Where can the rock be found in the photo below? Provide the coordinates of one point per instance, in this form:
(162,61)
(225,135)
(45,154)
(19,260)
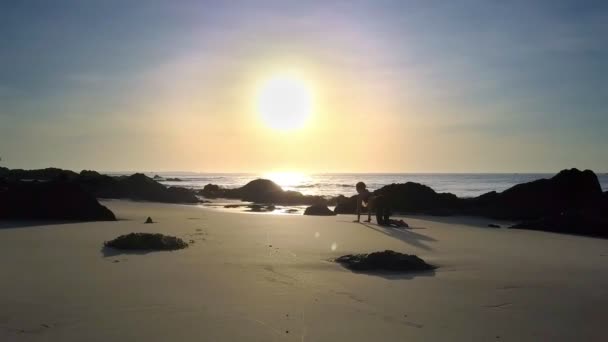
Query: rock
(384,261)
(261,191)
(569,189)
(139,187)
(55,200)
(493,225)
(255,208)
(590,221)
(418,198)
(259,208)
(345,205)
(407,197)
(157,177)
(146,241)
(149,220)
(174,180)
(319,210)
(211,191)
(47,174)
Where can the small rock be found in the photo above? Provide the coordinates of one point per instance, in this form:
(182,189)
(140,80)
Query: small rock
(149,220)
(493,225)
(146,241)
(384,261)
(319,210)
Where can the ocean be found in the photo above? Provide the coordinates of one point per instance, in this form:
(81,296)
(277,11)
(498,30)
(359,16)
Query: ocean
(333,184)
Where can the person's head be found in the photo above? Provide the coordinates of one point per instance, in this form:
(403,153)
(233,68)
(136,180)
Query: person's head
(360,187)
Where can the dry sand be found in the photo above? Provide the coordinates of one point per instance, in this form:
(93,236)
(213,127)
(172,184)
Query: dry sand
(260,277)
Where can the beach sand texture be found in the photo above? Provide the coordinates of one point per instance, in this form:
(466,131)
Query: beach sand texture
(261,277)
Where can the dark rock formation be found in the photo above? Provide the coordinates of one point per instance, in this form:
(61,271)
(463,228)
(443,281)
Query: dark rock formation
(54,200)
(581,222)
(319,210)
(384,261)
(493,225)
(569,189)
(211,191)
(174,180)
(146,241)
(414,197)
(149,220)
(258,208)
(261,191)
(570,202)
(138,187)
(407,198)
(345,205)
(47,174)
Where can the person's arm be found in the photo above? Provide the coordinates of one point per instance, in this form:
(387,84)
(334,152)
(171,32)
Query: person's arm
(369,209)
(358,209)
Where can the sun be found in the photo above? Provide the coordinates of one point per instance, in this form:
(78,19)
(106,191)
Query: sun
(284,102)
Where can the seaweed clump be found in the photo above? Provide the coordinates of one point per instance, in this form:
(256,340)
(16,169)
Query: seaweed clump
(384,261)
(147,241)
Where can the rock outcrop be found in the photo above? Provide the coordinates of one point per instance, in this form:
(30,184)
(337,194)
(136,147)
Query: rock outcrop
(407,198)
(580,222)
(319,210)
(261,191)
(419,198)
(52,200)
(568,190)
(137,186)
(47,174)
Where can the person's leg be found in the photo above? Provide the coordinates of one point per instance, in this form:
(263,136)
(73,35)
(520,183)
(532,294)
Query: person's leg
(380,207)
(387,214)
(379,217)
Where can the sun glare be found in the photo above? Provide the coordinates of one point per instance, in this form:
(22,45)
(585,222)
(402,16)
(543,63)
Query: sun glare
(287,180)
(284,102)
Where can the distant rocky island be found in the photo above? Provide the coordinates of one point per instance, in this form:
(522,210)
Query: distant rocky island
(570,202)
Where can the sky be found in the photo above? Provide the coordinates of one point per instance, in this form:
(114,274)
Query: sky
(398,86)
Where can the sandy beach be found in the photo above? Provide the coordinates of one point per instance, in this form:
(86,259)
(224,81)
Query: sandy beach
(261,277)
